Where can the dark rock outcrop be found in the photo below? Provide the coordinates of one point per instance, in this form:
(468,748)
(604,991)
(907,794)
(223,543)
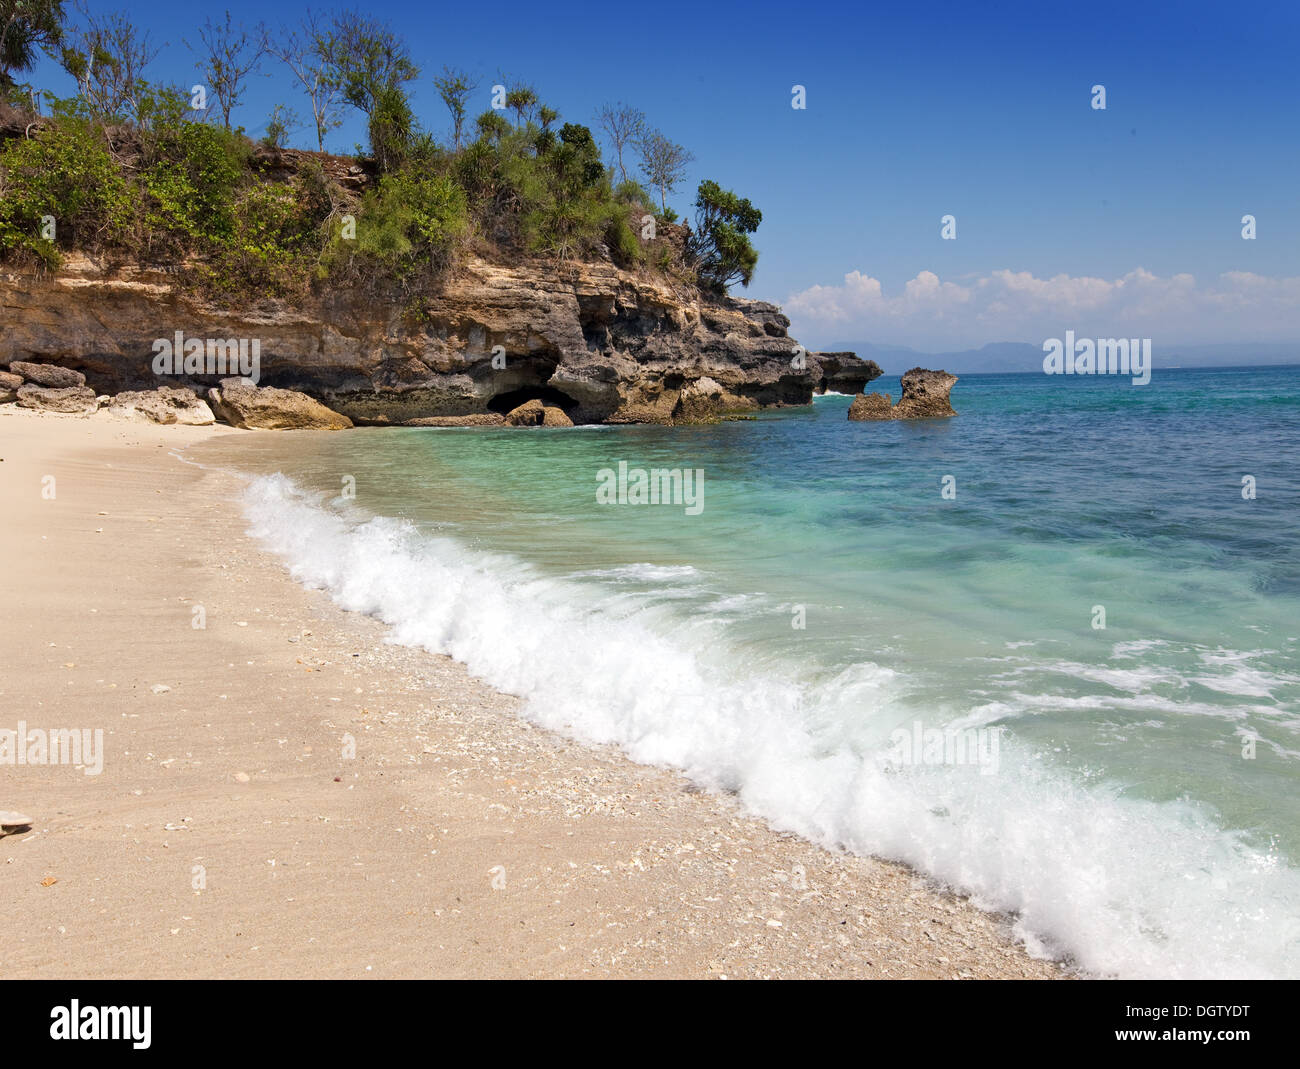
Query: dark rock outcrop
(842,372)
(242,404)
(603,344)
(925,396)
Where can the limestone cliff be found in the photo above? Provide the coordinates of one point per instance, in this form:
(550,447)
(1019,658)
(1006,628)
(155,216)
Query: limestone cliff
(603,344)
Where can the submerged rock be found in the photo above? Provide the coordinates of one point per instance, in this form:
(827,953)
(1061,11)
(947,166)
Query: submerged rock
(241,404)
(478,419)
(925,396)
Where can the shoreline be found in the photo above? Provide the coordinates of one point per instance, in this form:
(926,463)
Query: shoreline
(459,841)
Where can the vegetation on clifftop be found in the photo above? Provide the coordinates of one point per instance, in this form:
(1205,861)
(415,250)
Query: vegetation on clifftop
(139,171)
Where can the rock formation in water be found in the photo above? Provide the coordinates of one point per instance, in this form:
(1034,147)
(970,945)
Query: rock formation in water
(925,396)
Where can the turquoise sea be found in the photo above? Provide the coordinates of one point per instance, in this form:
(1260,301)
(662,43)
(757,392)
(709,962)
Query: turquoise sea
(1134,797)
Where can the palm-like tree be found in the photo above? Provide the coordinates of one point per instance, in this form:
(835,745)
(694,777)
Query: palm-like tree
(26,26)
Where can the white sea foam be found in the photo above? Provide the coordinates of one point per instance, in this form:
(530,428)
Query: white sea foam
(643,573)
(1123,886)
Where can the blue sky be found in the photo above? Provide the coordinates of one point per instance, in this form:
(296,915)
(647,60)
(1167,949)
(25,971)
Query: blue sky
(1113,221)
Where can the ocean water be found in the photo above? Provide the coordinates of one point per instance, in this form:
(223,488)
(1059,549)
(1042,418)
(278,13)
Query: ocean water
(1130,792)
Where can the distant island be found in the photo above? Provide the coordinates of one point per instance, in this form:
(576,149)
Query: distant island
(1024,357)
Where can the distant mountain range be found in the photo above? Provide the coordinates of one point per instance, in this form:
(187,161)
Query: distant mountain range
(1006,356)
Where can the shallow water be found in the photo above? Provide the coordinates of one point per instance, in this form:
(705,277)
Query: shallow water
(1106,795)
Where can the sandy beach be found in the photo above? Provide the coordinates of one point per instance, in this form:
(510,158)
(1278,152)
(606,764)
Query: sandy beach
(233,833)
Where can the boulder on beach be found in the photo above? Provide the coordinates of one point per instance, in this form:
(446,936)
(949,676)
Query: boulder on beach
(77,400)
(242,404)
(166,404)
(50,375)
(925,396)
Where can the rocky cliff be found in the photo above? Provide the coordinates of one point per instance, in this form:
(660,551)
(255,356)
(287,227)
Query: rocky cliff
(602,344)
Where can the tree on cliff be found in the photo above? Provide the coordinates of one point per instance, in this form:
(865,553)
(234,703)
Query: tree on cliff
(523,101)
(367,58)
(454,87)
(26,26)
(664,163)
(720,247)
(306,52)
(624,126)
(228,55)
(107,56)
(390,128)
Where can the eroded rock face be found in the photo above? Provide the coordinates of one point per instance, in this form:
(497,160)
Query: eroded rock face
(242,404)
(925,396)
(167,404)
(600,343)
(71,400)
(867,406)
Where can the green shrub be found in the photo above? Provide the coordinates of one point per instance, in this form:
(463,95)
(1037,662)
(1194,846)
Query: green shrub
(278,234)
(411,223)
(190,190)
(65,172)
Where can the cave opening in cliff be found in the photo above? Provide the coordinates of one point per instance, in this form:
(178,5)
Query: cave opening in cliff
(512,399)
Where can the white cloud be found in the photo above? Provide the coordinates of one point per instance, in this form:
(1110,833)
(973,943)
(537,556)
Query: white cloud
(1016,306)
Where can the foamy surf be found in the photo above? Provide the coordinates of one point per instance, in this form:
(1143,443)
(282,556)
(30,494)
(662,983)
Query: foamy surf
(1121,886)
